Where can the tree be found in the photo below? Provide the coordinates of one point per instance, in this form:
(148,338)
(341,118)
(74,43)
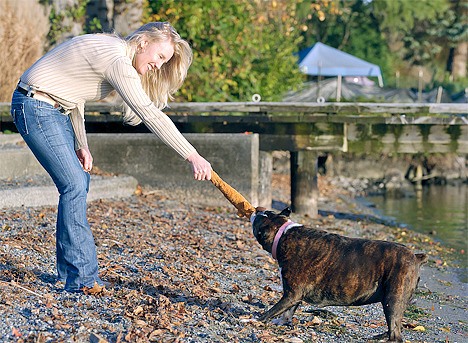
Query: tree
(241,47)
(319,18)
(453,36)
(427,33)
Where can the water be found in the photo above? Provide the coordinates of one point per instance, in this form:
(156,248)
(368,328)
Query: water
(441,211)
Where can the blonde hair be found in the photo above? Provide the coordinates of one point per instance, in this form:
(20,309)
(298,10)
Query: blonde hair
(160,84)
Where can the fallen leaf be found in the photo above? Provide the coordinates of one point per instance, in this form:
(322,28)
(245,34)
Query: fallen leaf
(138,310)
(15,332)
(316,321)
(155,333)
(140,323)
(138,190)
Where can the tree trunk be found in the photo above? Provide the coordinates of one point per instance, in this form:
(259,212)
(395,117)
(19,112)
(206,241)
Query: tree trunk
(127,15)
(459,64)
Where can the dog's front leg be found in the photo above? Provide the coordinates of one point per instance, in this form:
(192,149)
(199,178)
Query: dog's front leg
(286,318)
(287,302)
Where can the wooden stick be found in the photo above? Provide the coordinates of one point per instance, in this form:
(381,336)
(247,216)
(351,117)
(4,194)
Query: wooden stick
(244,208)
(12,283)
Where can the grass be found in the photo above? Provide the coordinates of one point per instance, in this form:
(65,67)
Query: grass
(23,28)
(415,313)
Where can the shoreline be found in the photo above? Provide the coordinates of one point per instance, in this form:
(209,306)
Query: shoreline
(185,273)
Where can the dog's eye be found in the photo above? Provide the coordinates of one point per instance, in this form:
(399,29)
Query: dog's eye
(254,218)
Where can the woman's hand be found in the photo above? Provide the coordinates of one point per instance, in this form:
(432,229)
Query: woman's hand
(85,158)
(201,167)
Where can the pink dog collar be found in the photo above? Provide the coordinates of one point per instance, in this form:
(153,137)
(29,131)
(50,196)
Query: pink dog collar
(280,232)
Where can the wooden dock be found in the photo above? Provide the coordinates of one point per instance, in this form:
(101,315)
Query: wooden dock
(306,129)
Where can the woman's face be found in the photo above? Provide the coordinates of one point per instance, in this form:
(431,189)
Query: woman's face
(153,55)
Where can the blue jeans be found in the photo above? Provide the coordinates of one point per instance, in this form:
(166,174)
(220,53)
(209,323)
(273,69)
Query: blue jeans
(49,134)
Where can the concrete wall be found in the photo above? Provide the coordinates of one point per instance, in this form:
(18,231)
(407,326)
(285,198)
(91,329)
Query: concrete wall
(16,160)
(235,157)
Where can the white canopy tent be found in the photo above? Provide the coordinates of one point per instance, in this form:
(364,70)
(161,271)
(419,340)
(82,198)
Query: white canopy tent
(323,60)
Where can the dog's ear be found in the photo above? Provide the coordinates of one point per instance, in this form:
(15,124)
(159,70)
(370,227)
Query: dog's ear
(286,212)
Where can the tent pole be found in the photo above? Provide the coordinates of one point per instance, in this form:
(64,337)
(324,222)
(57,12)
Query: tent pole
(420,85)
(318,79)
(439,95)
(380,81)
(338,89)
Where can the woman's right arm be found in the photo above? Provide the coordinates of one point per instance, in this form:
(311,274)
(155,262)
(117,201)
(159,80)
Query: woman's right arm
(201,168)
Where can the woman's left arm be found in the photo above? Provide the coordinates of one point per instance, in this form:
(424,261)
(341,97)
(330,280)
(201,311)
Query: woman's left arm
(85,158)
(81,143)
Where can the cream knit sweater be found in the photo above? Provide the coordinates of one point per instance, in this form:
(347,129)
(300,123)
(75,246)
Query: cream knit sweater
(88,68)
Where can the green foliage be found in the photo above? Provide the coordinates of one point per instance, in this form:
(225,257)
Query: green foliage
(75,13)
(240,47)
(432,36)
(452,86)
(94,26)
(399,16)
(57,29)
(325,21)
(423,33)
(415,313)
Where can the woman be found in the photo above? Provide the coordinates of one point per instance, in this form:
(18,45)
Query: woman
(145,69)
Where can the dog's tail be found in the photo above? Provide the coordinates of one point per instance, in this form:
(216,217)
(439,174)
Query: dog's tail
(421,257)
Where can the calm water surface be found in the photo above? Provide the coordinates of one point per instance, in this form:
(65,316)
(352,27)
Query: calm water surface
(438,210)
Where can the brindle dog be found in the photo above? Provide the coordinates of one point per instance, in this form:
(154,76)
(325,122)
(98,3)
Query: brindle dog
(326,269)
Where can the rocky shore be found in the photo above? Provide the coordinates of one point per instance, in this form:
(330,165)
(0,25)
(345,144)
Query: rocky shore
(183,273)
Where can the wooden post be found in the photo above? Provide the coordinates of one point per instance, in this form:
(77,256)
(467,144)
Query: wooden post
(439,94)
(338,89)
(419,176)
(304,188)
(380,81)
(265,170)
(420,85)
